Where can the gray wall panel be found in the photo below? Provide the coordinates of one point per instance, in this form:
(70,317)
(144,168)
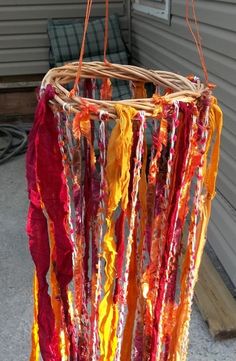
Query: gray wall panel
(49,11)
(23,41)
(221,233)
(24,67)
(22,54)
(219,40)
(218,14)
(48,2)
(158,45)
(23,30)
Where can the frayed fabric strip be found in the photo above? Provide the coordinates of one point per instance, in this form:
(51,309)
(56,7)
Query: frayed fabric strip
(111,212)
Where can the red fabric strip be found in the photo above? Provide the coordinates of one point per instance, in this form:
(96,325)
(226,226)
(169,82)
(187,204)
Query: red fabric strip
(38,235)
(54,196)
(182,144)
(54,193)
(88,88)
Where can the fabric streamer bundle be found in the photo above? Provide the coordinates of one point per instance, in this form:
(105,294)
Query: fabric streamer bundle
(117,222)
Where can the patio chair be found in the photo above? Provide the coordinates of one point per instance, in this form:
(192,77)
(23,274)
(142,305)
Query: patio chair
(65,37)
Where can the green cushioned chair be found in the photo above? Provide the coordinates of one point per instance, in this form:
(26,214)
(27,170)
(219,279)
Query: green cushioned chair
(65,37)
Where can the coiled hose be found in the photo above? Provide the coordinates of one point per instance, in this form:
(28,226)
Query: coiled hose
(13,140)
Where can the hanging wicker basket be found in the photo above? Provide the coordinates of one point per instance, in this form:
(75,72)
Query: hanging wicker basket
(181,87)
(131,206)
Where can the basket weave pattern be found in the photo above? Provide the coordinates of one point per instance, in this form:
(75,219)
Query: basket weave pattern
(182,88)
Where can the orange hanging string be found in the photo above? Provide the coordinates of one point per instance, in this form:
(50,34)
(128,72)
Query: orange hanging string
(196,37)
(200,42)
(86,22)
(106,33)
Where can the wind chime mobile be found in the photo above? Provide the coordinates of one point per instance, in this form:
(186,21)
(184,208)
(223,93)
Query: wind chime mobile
(108,211)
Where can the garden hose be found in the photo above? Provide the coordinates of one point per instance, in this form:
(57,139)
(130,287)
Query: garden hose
(13,140)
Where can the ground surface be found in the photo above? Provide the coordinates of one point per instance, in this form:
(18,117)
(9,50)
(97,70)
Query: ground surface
(16,276)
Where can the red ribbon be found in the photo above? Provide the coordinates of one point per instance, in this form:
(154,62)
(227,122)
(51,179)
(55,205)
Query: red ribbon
(47,189)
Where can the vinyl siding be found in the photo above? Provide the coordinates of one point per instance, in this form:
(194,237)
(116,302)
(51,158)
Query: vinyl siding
(23,30)
(160,46)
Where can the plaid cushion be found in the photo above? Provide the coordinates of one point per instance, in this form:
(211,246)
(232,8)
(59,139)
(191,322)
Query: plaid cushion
(65,37)
(120,88)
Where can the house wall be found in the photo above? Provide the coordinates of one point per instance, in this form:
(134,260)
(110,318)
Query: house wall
(161,46)
(23,30)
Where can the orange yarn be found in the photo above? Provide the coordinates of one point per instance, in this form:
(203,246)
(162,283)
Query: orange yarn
(197,37)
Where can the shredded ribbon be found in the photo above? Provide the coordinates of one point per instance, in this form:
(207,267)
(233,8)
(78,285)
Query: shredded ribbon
(48,203)
(115,214)
(118,176)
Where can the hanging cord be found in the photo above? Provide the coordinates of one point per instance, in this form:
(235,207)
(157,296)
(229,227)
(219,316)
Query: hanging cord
(106,33)
(15,139)
(86,22)
(197,37)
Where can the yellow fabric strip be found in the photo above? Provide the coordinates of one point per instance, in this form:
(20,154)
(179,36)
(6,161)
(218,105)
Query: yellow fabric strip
(131,304)
(118,177)
(216,123)
(118,158)
(63,347)
(108,313)
(35,328)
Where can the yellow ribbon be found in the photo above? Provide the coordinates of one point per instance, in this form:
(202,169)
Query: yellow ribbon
(118,177)
(35,328)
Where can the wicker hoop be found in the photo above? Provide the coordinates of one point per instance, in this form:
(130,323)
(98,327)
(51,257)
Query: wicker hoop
(183,88)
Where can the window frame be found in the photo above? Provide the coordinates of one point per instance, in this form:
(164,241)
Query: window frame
(162,13)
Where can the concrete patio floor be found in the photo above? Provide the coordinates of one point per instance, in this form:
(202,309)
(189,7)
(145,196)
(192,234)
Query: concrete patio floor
(16,279)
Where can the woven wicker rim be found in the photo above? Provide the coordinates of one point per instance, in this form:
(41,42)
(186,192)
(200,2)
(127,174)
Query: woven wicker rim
(183,89)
